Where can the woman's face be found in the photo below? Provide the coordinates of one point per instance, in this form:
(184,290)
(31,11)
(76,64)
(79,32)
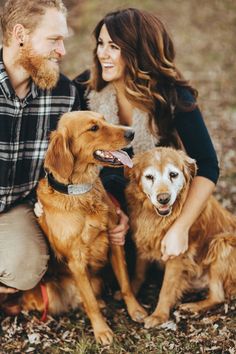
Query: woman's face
(109,56)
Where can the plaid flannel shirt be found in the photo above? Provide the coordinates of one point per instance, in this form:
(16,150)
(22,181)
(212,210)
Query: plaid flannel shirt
(24,132)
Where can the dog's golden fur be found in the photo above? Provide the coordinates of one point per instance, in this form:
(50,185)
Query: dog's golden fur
(76,225)
(210,260)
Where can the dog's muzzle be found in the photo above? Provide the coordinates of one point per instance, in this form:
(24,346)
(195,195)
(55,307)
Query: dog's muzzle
(163,209)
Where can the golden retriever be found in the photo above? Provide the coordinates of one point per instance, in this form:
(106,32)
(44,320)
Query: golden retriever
(159,184)
(77,215)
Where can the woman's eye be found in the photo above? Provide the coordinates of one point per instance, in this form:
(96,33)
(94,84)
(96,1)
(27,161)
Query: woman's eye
(150,177)
(173,174)
(94,128)
(113,46)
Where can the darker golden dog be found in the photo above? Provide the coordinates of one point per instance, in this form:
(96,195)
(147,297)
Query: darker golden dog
(77,215)
(159,184)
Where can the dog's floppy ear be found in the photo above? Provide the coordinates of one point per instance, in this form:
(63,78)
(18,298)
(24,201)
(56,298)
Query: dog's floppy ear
(132,174)
(59,158)
(190,166)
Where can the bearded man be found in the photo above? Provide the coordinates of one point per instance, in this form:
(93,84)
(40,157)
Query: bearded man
(33,95)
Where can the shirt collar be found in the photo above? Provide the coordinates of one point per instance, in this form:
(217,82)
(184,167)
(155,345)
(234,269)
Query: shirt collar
(6,86)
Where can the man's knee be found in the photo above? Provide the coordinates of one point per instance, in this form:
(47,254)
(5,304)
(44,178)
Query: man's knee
(23,249)
(25,270)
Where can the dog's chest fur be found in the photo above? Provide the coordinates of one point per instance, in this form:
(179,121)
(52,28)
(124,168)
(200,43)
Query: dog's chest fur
(76,226)
(148,231)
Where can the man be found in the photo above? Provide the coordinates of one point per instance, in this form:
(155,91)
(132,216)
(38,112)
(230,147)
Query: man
(33,95)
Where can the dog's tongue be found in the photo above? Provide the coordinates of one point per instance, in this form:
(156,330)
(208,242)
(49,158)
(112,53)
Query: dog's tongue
(123,157)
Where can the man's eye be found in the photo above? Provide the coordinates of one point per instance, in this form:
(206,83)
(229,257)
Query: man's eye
(94,128)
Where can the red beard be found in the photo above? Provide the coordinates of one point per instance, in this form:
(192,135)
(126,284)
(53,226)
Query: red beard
(45,74)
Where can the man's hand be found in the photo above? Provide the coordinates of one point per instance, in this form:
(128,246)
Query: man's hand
(6,290)
(117,235)
(38,209)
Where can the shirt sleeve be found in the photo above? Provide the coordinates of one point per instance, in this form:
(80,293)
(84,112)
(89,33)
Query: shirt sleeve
(81,88)
(196,140)
(77,103)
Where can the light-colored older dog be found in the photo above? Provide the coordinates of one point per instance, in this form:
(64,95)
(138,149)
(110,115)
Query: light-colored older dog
(159,184)
(77,215)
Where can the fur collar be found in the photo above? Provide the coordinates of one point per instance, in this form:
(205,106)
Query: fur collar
(105,102)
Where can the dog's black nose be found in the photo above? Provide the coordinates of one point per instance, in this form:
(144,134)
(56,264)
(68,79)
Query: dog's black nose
(163,198)
(129,134)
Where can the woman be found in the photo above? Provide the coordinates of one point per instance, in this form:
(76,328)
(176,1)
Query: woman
(134,81)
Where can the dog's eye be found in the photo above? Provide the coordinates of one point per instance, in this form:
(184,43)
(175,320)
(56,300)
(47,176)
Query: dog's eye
(150,177)
(173,175)
(94,128)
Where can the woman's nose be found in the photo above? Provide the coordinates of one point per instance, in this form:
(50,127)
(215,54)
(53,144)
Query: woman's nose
(104,52)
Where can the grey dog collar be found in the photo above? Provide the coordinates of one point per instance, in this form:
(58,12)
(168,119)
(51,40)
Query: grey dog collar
(70,189)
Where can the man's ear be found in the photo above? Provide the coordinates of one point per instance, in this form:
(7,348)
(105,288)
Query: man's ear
(59,159)
(19,33)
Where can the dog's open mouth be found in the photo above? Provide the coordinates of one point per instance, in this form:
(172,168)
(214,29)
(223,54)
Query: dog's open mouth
(117,158)
(164,210)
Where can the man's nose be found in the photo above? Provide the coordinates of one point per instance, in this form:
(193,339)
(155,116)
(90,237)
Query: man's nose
(60,49)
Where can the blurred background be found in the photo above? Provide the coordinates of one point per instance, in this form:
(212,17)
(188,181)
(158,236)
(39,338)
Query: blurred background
(204,34)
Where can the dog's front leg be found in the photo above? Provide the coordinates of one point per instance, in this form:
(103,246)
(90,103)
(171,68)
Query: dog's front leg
(139,277)
(135,310)
(140,273)
(172,289)
(102,331)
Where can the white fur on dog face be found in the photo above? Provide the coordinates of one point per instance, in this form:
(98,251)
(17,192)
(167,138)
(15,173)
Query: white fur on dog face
(171,180)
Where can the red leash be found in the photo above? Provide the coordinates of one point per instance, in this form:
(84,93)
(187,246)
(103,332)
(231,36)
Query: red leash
(114,200)
(45,301)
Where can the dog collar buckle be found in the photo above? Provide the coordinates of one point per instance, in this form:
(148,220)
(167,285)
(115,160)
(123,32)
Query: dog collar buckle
(76,189)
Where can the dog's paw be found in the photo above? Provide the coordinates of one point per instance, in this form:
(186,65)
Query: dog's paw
(117,296)
(104,337)
(139,315)
(154,320)
(190,307)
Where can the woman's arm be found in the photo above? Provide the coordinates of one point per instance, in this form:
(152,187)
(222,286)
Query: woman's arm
(175,241)
(197,142)
(198,145)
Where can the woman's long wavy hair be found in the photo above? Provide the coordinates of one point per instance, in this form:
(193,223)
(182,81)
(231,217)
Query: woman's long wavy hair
(151,77)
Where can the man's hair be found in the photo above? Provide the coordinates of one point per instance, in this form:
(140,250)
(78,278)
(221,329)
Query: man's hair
(27,13)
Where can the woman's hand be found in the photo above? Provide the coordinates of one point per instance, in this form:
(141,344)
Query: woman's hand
(117,235)
(174,243)
(38,209)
